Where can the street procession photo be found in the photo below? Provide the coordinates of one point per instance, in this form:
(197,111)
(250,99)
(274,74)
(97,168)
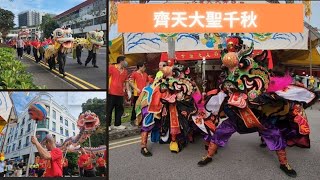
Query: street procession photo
(52,134)
(213,89)
(53,45)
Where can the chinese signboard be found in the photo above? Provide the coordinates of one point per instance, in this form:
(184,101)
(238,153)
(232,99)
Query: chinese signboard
(192,55)
(195,18)
(199,55)
(212,19)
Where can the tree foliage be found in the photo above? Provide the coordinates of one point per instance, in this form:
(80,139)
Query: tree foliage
(13,74)
(48,25)
(6,21)
(97,106)
(72,160)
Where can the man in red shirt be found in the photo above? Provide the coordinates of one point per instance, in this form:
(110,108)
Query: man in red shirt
(138,80)
(53,155)
(101,163)
(118,77)
(87,161)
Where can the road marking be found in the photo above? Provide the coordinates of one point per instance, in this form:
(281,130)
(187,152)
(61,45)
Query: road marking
(126,144)
(76,82)
(58,74)
(110,144)
(85,82)
(79,82)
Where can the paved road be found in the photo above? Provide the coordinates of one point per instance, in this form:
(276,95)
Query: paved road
(95,76)
(42,76)
(78,76)
(242,158)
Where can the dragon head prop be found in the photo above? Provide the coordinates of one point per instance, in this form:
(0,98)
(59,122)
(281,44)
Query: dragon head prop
(88,121)
(63,37)
(95,38)
(37,111)
(24,32)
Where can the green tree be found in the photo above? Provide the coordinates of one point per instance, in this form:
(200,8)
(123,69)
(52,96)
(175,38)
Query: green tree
(6,22)
(48,25)
(72,160)
(97,106)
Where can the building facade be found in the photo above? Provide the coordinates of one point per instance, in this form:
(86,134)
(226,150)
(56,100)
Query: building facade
(88,16)
(59,123)
(34,32)
(30,18)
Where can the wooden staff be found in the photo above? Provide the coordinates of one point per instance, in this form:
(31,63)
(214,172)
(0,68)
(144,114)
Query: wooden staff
(31,148)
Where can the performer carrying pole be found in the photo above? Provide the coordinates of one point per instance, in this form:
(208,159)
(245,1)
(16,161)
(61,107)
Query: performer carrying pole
(36,112)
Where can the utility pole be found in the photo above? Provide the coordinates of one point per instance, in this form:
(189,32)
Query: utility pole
(171,48)
(310,52)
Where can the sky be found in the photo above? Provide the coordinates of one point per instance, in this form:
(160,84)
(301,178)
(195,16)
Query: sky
(71,100)
(47,6)
(315,20)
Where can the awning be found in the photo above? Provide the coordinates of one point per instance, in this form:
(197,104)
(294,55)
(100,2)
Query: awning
(115,50)
(304,59)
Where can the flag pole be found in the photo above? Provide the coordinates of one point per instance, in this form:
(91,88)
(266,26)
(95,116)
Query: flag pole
(310,48)
(31,148)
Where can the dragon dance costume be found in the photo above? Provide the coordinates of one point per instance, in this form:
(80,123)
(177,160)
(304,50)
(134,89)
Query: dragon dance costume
(88,122)
(252,98)
(256,101)
(62,43)
(171,109)
(93,43)
(162,108)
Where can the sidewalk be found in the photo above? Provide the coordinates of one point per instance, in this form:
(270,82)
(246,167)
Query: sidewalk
(129,131)
(43,77)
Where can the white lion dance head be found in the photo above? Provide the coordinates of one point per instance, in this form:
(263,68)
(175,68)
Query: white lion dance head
(63,37)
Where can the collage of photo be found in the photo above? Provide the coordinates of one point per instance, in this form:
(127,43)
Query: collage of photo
(160,89)
(53,91)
